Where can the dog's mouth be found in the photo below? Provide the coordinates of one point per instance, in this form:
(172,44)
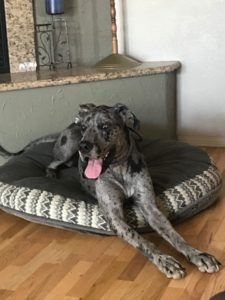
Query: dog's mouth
(93,168)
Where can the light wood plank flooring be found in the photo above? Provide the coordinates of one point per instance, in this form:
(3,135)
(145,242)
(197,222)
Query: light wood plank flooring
(38,262)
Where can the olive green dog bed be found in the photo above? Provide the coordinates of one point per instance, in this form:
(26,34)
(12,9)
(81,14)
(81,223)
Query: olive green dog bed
(185,180)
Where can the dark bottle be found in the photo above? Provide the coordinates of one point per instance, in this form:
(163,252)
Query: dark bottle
(54,7)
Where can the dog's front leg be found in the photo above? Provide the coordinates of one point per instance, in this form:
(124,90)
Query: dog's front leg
(145,198)
(111,198)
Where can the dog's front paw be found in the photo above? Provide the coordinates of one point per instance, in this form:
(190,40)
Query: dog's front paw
(170,266)
(205,262)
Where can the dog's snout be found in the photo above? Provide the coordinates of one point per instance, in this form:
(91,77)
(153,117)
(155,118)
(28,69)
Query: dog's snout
(85,147)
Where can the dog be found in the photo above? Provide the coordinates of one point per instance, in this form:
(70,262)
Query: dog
(113,169)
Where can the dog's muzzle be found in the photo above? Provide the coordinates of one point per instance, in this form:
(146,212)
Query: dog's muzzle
(94,167)
(85,147)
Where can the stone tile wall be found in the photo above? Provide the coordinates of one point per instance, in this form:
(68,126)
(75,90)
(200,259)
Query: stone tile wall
(20,34)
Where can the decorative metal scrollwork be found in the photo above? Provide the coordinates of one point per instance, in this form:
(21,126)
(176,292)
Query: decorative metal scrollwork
(53,46)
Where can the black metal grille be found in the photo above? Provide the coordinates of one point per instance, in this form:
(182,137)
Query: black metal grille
(4,58)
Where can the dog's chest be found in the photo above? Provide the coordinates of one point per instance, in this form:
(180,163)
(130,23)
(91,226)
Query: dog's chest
(121,177)
(117,176)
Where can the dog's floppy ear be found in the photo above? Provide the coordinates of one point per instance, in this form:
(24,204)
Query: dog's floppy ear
(84,109)
(127,116)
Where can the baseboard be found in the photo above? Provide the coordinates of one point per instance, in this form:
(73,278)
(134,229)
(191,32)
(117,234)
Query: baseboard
(210,141)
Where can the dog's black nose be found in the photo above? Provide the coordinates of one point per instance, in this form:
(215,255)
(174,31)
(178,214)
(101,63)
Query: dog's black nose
(85,147)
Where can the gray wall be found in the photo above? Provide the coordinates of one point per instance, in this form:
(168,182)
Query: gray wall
(29,114)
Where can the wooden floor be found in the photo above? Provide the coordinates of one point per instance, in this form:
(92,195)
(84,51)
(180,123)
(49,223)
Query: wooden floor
(38,262)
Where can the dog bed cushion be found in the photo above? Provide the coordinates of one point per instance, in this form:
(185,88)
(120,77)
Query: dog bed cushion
(185,180)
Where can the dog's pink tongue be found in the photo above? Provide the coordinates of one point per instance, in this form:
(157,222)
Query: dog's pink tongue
(94,168)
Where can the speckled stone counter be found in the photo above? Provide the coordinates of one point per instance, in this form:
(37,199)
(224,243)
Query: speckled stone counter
(28,80)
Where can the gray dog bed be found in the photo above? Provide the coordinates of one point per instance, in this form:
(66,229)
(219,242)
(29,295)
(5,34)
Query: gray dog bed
(185,180)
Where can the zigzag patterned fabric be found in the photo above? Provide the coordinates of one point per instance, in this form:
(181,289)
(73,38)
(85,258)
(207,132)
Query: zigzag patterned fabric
(177,203)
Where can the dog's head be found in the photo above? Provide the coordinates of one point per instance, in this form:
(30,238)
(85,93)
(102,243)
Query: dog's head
(105,136)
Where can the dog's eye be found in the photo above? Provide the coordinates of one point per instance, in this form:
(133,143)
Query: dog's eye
(104,127)
(83,127)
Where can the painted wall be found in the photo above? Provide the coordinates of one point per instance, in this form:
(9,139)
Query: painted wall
(193,33)
(32,113)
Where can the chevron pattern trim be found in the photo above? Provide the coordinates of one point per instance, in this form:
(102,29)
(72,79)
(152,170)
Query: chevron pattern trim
(187,198)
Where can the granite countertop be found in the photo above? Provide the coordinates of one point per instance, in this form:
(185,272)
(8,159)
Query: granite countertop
(27,80)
